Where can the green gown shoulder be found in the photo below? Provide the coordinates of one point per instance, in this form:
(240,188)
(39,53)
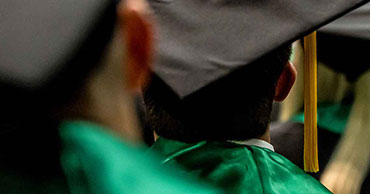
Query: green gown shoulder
(97,162)
(238,168)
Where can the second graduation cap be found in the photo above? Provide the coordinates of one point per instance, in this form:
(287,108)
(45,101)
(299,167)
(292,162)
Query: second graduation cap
(344,44)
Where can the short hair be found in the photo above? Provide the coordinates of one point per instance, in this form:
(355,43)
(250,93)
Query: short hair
(236,107)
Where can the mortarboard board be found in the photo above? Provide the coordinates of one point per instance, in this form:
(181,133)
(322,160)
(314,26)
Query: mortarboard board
(344,44)
(40,39)
(201,41)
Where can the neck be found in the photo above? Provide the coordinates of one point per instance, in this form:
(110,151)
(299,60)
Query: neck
(114,110)
(113,106)
(266,136)
(118,113)
(106,100)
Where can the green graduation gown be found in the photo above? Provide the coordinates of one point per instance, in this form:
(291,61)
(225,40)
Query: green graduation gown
(239,169)
(97,162)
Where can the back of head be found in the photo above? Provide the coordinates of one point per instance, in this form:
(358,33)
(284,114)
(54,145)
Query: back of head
(44,73)
(236,107)
(217,63)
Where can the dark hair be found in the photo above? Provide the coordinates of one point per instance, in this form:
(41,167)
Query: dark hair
(236,107)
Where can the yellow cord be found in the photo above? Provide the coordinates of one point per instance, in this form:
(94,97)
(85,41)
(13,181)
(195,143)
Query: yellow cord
(311,163)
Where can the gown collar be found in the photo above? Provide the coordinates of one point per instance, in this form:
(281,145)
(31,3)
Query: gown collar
(255,142)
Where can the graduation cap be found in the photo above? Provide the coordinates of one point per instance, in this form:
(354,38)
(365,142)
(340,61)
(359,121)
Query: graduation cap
(344,44)
(44,44)
(201,41)
(45,40)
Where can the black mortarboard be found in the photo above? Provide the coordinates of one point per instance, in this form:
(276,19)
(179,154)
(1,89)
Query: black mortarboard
(39,39)
(344,44)
(200,41)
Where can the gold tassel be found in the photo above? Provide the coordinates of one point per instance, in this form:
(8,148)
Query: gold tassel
(311,163)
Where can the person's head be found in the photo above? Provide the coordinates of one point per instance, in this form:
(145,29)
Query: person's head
(217,64)
(67,60)
(236,107)
(93,73)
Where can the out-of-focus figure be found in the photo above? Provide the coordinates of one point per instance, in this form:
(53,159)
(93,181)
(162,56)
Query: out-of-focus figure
(68,72)
(348,169)
(344,109)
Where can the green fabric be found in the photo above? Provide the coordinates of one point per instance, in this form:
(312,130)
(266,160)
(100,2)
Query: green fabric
(292,56)
(330,116)
(97,162)
(237,168)
(18,183)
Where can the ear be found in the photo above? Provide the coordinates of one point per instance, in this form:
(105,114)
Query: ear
(135,25)
(285,82)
